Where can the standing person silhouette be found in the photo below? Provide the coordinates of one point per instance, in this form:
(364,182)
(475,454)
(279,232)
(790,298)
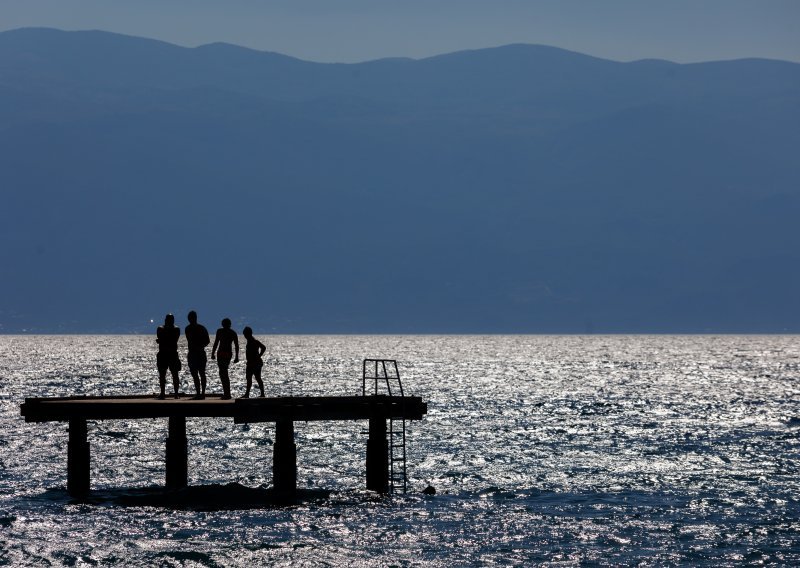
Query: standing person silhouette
(224,339)
(167,358)
(253,352)
(197,339)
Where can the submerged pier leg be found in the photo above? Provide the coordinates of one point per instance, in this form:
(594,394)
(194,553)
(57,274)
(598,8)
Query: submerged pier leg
(284,458)
(377,456)
(177,454)
(78,458)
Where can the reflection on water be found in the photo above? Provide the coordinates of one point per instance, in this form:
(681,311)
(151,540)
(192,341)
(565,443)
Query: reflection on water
(604,449)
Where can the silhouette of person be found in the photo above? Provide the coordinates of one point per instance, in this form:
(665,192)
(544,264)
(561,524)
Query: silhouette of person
(197,340)
(225,339)
(167,358)
(253,352)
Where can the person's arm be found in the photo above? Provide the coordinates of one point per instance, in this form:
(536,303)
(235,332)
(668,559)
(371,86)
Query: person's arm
(208,339)
(236,345)
(214,349)
(261,349)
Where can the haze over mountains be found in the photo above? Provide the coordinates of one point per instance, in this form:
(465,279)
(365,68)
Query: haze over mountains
(517,189)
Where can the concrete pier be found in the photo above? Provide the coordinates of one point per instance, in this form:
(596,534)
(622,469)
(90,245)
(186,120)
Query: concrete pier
(283,411)
(284,458)
(78,457)
(177,462)
(377,456)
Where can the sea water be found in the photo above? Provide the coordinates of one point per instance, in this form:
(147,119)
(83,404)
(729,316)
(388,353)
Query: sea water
(558,450)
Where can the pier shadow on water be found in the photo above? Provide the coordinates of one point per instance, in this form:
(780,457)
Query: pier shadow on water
(212,497)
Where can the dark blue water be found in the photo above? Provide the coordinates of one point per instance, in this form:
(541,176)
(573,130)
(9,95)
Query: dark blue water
(543,449)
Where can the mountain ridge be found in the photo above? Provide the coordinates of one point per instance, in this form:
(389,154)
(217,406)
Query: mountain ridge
(36,32)
(444,194)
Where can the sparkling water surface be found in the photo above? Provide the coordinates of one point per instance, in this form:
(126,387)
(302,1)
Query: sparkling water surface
(555,450)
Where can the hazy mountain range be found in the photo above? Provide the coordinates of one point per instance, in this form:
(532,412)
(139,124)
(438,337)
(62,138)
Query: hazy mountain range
(522,188)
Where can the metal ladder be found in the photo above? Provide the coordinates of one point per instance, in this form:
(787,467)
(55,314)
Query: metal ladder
(384,371)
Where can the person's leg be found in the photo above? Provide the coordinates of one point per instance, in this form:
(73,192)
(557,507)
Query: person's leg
(259,381)
(201,368)
(202,372)
(162,381)
(249,378)
(224,378)
(226,384)
(176,381)
(196,379)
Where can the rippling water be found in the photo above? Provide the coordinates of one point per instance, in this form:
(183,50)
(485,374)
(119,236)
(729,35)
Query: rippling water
(543,449)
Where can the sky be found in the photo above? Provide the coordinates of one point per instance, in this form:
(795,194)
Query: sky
(360,30)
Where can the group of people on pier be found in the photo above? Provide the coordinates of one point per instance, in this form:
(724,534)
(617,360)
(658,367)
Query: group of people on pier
(225,350)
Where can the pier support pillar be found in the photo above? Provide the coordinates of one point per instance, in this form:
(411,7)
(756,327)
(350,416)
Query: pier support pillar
(177,454)
(78,458)
(377,456)
(284,458)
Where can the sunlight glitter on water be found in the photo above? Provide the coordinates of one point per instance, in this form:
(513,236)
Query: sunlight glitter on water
(607,449)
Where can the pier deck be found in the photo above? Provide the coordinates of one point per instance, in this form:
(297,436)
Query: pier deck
(284,411)
(271,409)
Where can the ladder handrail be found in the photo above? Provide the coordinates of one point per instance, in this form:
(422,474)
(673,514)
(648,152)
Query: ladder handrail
(381,373)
